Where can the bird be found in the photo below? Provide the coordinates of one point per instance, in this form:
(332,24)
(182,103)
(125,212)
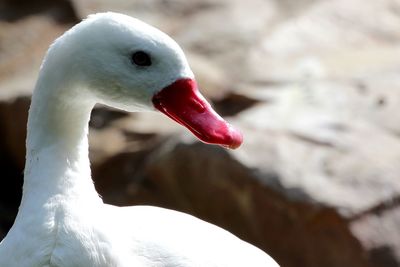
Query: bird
(122,62)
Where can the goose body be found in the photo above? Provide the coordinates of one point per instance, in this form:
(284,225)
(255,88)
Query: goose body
(122,62)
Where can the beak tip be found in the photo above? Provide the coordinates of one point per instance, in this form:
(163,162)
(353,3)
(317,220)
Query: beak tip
(237,139)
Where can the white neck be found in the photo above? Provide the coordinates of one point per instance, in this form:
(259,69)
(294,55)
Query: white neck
(57,162)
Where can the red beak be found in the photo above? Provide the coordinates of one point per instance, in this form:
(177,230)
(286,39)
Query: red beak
(183,102)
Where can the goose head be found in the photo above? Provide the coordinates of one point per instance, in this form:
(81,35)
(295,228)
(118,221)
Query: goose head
(125,63)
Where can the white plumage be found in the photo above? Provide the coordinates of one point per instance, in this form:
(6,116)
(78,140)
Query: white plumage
(61,220)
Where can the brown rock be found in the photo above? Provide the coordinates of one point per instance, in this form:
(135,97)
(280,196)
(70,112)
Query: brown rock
(316,181)
(330,39)
(210,183)
(379,233)
(61,11)
(13,118)
(12,147)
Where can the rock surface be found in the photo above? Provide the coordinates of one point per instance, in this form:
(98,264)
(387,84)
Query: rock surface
(313,84)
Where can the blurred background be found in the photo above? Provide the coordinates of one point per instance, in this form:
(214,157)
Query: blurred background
(313,84)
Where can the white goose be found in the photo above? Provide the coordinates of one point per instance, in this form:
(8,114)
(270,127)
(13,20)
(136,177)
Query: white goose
(122,62)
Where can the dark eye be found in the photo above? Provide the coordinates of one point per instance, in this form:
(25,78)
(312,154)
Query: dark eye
(141,58)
